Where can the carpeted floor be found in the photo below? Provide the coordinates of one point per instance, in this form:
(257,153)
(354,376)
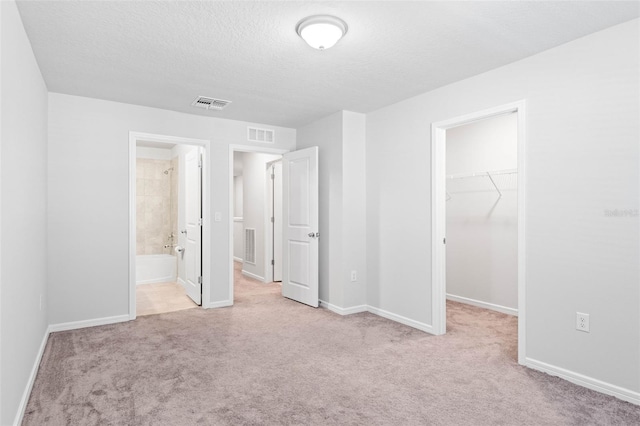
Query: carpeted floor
(269,360)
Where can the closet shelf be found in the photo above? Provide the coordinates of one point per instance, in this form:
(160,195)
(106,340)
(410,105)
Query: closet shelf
(483,174)
(489,174)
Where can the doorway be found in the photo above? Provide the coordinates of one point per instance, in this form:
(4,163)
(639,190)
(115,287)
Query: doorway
(168,233)
(254,179)
(482,184)
(299,223)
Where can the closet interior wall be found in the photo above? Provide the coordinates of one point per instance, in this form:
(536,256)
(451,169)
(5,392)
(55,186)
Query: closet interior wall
(482,226)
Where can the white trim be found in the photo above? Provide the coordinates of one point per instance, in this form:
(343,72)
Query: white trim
(438,216)
(254,276)
(377,311)
(481,304)
(221,304)
(267,226)
(585,381)
(402,320)
(32,378)
(241,148)
(73,325)
(206,211)
(237,259)
(344,311)
(438,230)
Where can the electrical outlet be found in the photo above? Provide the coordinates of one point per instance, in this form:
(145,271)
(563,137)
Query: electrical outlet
(354,276)
(582,322)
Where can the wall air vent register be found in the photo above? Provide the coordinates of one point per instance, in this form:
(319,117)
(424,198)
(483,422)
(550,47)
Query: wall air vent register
(260,135)
(207,103)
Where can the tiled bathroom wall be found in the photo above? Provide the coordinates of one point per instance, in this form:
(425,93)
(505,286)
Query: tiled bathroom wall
(156,205)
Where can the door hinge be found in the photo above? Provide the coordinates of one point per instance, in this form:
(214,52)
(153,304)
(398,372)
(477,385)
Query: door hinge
(200,161)
(200,222)
(199,280)
(272,219)
(444,241)
(273,177)
(272,262)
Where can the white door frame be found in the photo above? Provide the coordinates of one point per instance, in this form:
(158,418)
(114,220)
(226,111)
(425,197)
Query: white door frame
(268,236)
(134,137)
(438,216)
(232,150)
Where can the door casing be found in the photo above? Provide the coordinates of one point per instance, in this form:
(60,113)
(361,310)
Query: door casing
(232,150)
(438,216)
(134,137)
(273,209)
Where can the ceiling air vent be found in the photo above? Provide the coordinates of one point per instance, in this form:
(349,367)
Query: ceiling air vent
(260,135)
(210,103)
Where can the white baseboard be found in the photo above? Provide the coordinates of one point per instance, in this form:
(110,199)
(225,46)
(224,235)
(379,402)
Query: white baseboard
(32,378)
(485,305)
(402,320)
(380,312)
(237,259)
(254,276)
(586,381)
(87,323)
(344,311)
(221,304)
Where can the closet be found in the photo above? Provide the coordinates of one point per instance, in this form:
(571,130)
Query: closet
(482,225)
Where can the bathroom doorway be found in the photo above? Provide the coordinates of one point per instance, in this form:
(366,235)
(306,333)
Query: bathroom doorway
(169,211)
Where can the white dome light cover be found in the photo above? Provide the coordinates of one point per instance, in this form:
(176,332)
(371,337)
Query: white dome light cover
(321,31)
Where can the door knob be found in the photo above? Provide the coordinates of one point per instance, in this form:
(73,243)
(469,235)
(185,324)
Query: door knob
(314,235)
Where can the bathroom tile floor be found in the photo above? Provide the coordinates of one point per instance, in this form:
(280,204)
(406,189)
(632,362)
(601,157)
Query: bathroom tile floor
(159,298)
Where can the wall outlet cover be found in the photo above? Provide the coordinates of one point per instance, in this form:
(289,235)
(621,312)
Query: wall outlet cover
(582,322)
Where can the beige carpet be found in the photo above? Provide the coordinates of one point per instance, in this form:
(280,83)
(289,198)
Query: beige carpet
(269,360)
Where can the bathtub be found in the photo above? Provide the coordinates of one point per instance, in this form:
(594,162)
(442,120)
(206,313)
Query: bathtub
(155,268)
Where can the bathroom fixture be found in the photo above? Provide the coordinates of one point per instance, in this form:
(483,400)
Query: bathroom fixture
(179,249)
(170,169)
(321,31)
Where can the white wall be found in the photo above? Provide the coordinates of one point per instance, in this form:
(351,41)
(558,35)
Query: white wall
(482,227)
(89,155)
(238,197)
(254,194)
(23,226)
(341,141)
(327,135)
(582,135)
(354,216)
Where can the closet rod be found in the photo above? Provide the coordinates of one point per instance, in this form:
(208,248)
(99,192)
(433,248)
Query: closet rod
(488,174)
(482,174)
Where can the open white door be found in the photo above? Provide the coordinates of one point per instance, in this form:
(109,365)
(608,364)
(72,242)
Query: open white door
(300,226)
(193,215)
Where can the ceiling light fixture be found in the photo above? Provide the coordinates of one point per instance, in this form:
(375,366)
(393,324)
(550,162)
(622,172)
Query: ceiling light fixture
(321,31)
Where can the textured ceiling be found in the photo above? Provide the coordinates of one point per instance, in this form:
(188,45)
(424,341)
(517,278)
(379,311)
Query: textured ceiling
(164,54)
